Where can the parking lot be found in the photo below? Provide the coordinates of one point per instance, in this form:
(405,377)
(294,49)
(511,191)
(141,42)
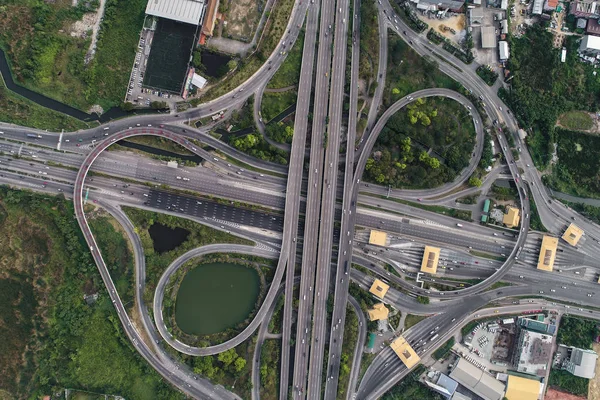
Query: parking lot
(486,56)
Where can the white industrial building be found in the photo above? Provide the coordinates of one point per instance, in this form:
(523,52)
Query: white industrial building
(488,37)
(503,49)
(580,362)
(477,381)
(538,7)
(590,45)
(188,11)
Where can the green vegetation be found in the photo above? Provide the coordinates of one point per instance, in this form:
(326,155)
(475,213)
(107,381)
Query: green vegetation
(160,143)
(588,211)
(460,214)
(269,369)
(256,146)
(244,117)
(369,42)
(542,87)
(423,299)
(348,345)
(114,246)
(535,222)
(408,72)
(46,58)
(488,75)
(472,199)
(577,332)
(568,382)
(578,164)
(577,120)
(288,73)
(410,17)
(468,328)
(394,320)
(18,110)
(412,320)
(410,388)
(272,33)
(275,103)
(51,337)
(423,146)
(504,193)
(282,132)
(229,368)
(444,350)
(156,263)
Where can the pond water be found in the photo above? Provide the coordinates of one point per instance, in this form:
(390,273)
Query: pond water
(215,64)
(214,297)
(166,239)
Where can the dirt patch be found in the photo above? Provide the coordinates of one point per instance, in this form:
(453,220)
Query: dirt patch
(594,387)
(241,19)
(83,28)
(457,23)
(553,394)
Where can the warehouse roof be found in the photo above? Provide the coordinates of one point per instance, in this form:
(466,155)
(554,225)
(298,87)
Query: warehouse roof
(379,311)
(477,381)
(211,16)
(522,388)
(378,238)
(488,37)
(406,353)
(379,289)
(547,253)
(188,11)
(572,234)
(431,257)
(511,218)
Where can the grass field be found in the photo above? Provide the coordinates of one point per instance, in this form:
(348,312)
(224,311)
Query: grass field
(46,58)
(50,337)
(288,73)
(275,103)
(408,72)
(577,120)
(412,320)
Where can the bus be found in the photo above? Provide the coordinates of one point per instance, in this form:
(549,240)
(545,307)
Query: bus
(34,136)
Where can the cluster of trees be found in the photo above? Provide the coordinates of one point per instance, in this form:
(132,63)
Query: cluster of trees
(410,388)
(280,132)
(577,332)
(569,382)
(424,146)
(269,369)
(369,40)
(217,366)
(486,73)
(256,146)
(443,351)
(542,87)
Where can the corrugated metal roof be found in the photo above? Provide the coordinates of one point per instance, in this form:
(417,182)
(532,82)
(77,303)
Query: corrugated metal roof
(477,381)
(188,11)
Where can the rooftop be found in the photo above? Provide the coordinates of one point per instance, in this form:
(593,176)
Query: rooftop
(378,312)
(547,253)
(582,362)
(379,289)
(477,381)
(431,257)
(378,238)
(512,217)
(573,232)
(488,37)
(405,352)
(533,352)
(519,388)
(211,16)
(188,11)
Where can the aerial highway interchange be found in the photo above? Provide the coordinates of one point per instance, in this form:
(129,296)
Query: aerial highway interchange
(299,208)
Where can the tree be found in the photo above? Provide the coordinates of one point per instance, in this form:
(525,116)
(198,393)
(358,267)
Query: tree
(474,181)
(227,357)
(197,58)
(239,364)
(127,106)
(395,91)
(159,105)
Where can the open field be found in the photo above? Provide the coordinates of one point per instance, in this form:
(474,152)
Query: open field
(274,103)
(242,19)
(577,121)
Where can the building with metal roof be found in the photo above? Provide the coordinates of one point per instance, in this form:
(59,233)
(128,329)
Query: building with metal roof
(378,238)
(211,16)
(488,37)
(431,258)
(503,50)
(475,15)
(590,45)
(405,352)
(445,385)
(452,5)
(379,288)
(547,253)
(378,312)
(572,234)
(477,381)
(584,9)
(460,396)
(504,27)
(538,7)
(580,362)
(519,388)
(188,11)
(512,217)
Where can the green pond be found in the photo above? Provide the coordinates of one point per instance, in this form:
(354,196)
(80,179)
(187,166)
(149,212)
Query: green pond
(214,297)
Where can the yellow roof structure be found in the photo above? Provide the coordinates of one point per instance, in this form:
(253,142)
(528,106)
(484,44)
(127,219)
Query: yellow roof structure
(378,238)
(405,352)
(547,253)
(511,218)
(431,257)
(379,288)
(522,388)
(573,234)
(379,311)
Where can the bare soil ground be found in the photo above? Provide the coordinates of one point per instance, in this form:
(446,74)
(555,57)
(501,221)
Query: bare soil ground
(553,394)
(594,387)
(457,23)
(242,18)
